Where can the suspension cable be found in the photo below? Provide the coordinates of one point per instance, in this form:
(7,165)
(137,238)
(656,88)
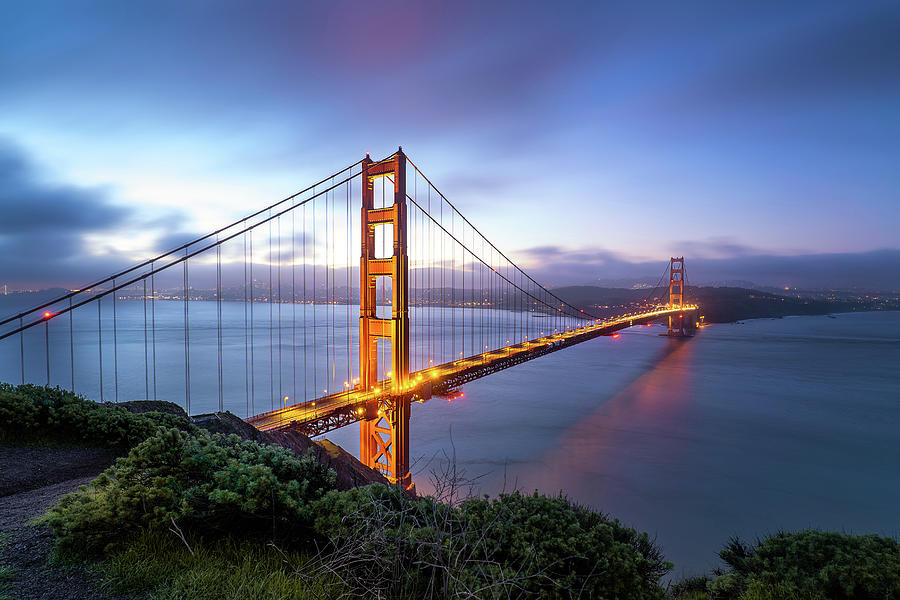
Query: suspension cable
(577,310)
(178,249)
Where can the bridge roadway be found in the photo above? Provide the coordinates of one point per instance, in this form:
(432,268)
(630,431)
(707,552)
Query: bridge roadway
(336,410)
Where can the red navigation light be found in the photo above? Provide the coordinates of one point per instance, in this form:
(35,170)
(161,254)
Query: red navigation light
(615,335)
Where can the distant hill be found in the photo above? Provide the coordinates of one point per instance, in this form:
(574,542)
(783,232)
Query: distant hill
(719,304)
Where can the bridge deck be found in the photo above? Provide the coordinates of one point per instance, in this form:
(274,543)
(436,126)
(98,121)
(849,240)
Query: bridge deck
(336,410)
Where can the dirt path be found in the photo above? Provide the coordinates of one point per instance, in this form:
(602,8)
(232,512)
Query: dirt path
(26,548)
(30,467)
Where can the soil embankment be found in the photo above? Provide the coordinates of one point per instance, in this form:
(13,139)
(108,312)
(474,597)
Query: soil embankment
(38,477)
(31,467)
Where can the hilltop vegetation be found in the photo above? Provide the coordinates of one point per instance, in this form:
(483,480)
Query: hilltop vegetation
(185,513)
(37,414)
(814,565)
(208,489)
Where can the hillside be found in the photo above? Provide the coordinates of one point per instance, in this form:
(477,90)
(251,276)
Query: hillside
(719,304)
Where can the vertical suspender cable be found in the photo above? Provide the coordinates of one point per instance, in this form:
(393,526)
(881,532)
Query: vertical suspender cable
(187,340)
(246,334)
(100,344)
(294,303)
(72,342)
(47,348)
(22,349)
(280,362)
(252,336)
(333,291)
(146,348)
(315,353)
(327,298)
(452,292)
(305,373)
(349,294)
(153,323)
(271,319)
(219,321)
(115,344)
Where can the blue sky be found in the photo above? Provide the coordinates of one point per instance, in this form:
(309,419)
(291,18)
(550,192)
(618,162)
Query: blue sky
(579,134)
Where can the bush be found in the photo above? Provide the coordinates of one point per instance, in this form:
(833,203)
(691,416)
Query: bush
(580,552)
(810,564)
(31,413)
(201,483)
(515,545)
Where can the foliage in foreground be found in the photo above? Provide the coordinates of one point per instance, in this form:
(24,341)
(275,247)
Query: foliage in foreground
(372,540)
(225,569)
(801,565)
(32,413)
(206,484)
(515,545)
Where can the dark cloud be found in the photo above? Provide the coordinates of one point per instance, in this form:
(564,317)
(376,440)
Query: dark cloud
(31,205)
(848,52)
(169,241)
(44,223)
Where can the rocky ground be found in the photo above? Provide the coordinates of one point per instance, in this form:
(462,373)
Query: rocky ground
(32,479)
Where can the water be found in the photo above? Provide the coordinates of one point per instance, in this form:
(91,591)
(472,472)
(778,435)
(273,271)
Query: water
(744,430)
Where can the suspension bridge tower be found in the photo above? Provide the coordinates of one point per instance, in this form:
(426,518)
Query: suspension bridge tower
(384,432)
(676,295)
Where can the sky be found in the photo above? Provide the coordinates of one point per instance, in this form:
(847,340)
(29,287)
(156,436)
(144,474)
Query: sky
(591,141)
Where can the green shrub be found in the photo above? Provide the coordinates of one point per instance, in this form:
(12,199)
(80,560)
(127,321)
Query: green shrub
(581,552)
(31,413)
(203,484)
(399,547)
(515,545)
(810,564)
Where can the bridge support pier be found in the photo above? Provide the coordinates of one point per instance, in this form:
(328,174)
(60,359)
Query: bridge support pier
(676,295)
(384,434)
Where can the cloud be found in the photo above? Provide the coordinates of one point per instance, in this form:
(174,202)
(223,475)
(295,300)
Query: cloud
(850,52)
(44,224)
(715,247)
(877,270)
(32,206)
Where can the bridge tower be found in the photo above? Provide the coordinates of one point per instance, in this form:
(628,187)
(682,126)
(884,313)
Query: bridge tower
(676,295)
(384,433)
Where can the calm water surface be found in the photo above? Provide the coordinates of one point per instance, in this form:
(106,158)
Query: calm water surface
(743,430)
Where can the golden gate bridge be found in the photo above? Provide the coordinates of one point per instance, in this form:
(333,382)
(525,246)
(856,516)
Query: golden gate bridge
(324,335)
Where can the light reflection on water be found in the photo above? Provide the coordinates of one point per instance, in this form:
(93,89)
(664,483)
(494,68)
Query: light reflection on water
(744,430)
